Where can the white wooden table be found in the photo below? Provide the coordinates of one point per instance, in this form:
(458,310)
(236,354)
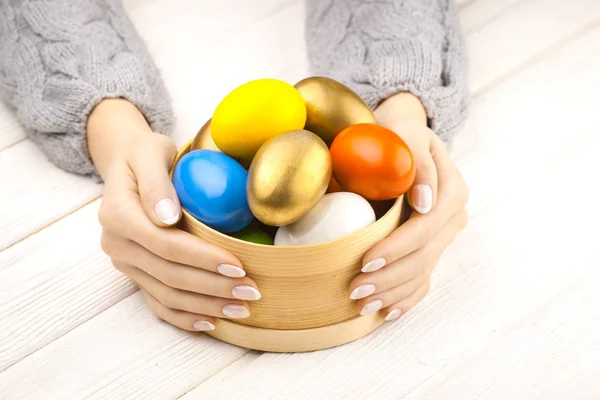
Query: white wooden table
(514,311)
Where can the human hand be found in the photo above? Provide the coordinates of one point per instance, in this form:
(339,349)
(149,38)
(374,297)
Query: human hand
(396,272)
(185,280)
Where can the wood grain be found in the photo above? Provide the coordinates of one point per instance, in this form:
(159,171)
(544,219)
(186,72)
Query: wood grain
(35,193)
(125,352)
(52,282)
(501,45)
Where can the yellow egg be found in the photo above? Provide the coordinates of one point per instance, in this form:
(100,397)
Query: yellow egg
(288,176)
(253,113)
(331,107)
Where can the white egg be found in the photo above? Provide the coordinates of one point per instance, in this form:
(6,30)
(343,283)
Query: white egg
(335,216)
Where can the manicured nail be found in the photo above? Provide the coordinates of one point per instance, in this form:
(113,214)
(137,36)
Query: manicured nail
(422,198)
(245,293)
(362,291)
(374,265)
(203,326)
(371,307)
(167,211)
(394,314)
(231,271)
(235,311)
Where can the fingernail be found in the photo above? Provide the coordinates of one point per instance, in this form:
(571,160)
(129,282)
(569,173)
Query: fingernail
(422,198)
(371,307)
(245,293)
(362,291)
(394,314)
(374,265)
(167,211)
(203,326)
(235,311)
(231,271)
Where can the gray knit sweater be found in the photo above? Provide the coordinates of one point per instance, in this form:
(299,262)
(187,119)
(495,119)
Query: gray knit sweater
(59,58)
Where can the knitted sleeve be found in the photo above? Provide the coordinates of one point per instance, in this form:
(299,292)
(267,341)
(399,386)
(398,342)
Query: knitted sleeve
(381,47)
(59,58)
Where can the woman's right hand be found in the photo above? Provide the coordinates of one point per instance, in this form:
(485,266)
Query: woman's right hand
(185,280)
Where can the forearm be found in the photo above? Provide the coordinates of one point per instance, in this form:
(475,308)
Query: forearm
(384,47)
(59,59)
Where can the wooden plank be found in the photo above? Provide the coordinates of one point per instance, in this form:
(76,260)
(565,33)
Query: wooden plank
(504,44)
(151,350)
(544,107)
(52,282)
(475,15)
(551,354)
(35,193)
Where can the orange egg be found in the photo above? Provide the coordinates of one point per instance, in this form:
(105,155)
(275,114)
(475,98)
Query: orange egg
(372,161)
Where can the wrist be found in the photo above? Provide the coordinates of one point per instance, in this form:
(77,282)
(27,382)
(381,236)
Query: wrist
(113,128)
(403,106)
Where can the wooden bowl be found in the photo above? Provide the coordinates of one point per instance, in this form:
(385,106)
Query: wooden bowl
(305,302)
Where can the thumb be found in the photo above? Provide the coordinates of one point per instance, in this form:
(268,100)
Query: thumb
(151,164)
(423,192)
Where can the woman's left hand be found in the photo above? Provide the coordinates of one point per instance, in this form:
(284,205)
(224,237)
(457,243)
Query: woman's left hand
(396,272)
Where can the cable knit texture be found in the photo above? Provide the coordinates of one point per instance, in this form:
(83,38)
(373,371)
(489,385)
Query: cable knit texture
(59,58)
(381,47)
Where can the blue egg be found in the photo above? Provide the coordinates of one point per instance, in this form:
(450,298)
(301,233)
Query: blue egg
(212,188)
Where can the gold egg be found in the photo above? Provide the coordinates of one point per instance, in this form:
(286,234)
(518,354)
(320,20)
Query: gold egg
(331,107)
(204,140)
(289,175)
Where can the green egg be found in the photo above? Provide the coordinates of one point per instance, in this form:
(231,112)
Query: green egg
(254,235)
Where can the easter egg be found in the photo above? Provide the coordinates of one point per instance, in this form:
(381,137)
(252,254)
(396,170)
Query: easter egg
(372,161)
(211,186)
(204,140)
(331,107)
(288,176)
(253,113)
(335,216)
(254,235)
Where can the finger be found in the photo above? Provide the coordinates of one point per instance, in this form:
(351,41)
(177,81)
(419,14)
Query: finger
(420,262)
(181,276)
(187,301)
(180,319)
(378,301)
(423,193)
(420,228)
(150,164)
(122,215)
(401,307)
